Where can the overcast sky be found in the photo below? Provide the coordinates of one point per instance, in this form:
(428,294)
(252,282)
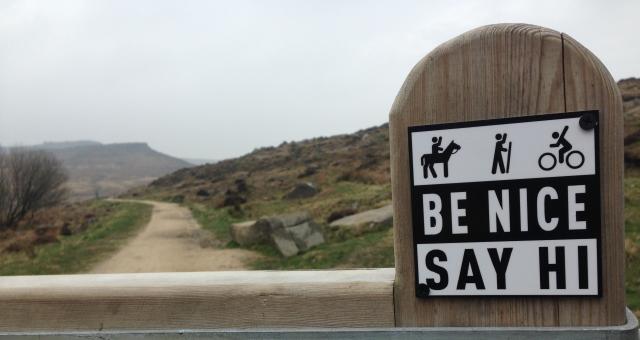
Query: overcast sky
(215,79)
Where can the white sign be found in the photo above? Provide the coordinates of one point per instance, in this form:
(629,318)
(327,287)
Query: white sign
(507,207)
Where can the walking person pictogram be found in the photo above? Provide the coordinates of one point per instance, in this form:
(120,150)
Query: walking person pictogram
(498,160)
(573,159)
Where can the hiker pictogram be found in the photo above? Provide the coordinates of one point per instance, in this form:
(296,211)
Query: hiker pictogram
(573,159)
(498,155)
(438,155)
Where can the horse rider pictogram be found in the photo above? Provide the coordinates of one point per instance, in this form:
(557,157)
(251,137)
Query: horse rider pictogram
(438,155)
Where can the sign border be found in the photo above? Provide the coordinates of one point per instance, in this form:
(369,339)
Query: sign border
(419,291)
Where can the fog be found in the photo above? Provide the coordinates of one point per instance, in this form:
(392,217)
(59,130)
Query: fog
(216,79)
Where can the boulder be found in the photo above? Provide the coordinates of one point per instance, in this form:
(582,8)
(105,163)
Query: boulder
(309,171)
(302,190)
(285,220)
(306,235)
(284,242)
(249,233)
(338,214)
(232,199)
(203,193)
(241,185)
(289,233)
(366,220)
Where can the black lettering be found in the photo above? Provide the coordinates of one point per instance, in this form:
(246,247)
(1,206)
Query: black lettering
(469,261)
(583,268)
(444,276)
(546,268)
(500,265)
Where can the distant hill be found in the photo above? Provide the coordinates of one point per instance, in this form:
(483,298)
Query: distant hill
(97,169)
(65,145)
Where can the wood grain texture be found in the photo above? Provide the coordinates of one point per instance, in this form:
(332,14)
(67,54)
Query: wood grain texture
(499,71)
(205,300)
(588,86)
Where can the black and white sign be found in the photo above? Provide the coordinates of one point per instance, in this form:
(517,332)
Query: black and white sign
(507,207)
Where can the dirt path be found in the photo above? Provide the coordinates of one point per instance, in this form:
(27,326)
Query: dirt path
(171,243)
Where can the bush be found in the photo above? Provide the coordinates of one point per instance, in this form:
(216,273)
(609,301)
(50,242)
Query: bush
(30,180)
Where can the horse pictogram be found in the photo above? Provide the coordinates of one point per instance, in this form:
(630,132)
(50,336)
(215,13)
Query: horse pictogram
(429,160)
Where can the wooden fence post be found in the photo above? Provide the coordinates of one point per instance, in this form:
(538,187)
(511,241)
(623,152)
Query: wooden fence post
(500,71)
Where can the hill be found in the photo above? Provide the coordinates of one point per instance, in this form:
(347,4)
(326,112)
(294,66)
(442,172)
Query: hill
(267,174)
(361,157)
(97,169)
(350,174)
(329,177)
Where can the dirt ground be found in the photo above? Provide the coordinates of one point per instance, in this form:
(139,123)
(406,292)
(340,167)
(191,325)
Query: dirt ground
(173,242)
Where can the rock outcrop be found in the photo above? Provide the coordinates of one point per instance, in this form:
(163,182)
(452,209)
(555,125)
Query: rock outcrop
(302,190)
(365,221)
(289,233)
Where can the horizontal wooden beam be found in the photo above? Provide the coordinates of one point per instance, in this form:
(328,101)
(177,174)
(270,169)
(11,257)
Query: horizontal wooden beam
(203,300)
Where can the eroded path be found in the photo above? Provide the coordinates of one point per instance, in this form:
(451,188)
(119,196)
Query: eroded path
(171,242)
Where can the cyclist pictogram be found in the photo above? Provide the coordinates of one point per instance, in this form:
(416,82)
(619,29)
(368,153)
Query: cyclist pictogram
(573,159)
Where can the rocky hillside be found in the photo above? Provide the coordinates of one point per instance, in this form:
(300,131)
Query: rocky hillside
(271,174)
(97,169)
(361,157)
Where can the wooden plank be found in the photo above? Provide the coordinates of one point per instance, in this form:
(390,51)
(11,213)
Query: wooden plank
(204,300)
(494,71)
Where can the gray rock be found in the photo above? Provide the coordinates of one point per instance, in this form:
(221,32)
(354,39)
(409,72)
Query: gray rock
(289,233)
(249,233)
(284,242)
(366,220)
(309,171)
(285,220)
(302,190)
(203,193)
(338,214)
(232,199)
(306,235)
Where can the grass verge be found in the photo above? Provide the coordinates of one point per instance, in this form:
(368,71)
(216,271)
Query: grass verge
(217,221)
(632,241)
(370,250)
(78,253)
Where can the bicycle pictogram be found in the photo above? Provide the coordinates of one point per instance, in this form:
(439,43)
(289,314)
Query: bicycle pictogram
(573,159)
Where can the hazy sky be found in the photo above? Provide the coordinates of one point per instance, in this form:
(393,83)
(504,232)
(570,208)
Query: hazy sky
(215,79)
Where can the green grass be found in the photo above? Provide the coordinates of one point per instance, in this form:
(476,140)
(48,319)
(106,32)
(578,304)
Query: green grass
(217,221)
(632,240)
(78,253)
(370,250)
(340,195)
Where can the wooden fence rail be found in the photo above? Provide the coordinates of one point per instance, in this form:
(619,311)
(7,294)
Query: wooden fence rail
(205,300)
